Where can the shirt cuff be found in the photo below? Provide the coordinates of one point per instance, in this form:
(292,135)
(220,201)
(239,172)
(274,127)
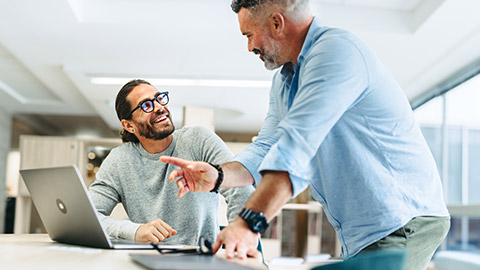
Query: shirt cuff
(251,162)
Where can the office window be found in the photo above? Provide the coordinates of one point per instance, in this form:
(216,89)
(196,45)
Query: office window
(433,136)
(464,234)
(451,126)
(474,233)
(463,110)
(430,113)
(429,116)
(474,168)
(454,195)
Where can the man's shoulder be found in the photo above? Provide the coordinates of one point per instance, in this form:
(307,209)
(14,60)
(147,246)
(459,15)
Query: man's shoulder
(322,32)
(189,131)
(332,38)
(122,150)
(127,146)
(198,139)
(335,43)
(118,156)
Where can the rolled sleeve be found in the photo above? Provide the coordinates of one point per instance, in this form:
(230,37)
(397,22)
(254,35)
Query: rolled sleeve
(251,162)
(326,89)
(275,161)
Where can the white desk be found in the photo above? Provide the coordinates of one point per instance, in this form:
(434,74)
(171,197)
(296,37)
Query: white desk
(37,251)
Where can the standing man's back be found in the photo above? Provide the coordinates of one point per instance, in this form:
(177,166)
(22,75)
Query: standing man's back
(339,122)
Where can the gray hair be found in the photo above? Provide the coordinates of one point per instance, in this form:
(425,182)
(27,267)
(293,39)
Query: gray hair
(293,9)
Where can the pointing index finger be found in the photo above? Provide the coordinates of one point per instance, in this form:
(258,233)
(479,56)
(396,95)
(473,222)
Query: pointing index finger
(174,161)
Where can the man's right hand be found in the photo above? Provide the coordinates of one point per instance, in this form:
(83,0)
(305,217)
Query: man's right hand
(154,231)
(192,175)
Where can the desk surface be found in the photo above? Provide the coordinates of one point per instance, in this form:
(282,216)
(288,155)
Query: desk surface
(37,251)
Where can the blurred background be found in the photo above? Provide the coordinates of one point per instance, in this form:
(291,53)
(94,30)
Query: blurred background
(62,63)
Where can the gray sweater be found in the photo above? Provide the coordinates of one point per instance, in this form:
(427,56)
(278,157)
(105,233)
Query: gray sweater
(139,180)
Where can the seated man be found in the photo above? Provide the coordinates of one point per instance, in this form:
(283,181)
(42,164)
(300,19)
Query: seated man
(133,175)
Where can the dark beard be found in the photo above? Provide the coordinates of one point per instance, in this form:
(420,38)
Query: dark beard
(148,132)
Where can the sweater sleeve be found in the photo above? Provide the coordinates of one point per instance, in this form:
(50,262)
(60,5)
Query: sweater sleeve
(105,196)
(215,151)
(236,198)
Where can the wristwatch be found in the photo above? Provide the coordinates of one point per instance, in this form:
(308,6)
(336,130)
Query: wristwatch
(256,222)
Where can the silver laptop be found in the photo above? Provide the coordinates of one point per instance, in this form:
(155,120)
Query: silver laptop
(69,216)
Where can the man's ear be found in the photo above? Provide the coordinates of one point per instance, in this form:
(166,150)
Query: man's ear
(276,23)
(128,126)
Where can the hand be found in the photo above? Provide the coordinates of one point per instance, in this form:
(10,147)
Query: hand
(238,237)
(154,231)
(194,175)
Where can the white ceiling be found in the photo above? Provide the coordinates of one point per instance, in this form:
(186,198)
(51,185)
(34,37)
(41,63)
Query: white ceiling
(50,50)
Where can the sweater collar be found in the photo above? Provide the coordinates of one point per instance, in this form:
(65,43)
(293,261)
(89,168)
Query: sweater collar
(167,152)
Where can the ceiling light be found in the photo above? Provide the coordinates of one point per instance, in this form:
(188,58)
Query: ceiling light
(11,92)
(186,82)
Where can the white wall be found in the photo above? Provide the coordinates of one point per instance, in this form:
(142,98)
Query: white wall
(13,173)
(5,133)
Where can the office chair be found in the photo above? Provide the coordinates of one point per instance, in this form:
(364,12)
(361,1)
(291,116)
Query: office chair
(393,259)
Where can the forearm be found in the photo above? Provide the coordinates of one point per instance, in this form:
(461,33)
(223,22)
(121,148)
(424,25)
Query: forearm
(105,198)
(271,194)
(123,229)
(236,175)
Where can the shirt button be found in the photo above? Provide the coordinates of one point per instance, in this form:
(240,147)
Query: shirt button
(322,203)
(337,228)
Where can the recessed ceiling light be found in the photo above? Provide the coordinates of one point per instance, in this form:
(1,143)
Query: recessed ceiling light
(11,92)
(185,82)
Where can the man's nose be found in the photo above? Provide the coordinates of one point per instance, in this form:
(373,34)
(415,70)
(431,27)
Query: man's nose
(249,46)
(157,106)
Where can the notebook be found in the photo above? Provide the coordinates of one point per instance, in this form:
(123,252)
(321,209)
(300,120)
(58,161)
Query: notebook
(66,210)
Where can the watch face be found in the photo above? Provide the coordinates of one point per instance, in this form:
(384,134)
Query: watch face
(260,225)
(257,225)
(255,221)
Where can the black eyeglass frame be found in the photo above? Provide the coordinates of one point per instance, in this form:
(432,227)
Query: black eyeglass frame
(164,96)
(204,248)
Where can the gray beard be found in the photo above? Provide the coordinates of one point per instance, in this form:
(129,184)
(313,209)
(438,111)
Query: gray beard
(271,65)
(270,60)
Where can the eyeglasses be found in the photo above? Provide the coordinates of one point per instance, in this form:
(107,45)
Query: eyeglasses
(204,248)
(148,105)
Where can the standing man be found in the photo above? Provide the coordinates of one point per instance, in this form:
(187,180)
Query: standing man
(132,174)
(337,122)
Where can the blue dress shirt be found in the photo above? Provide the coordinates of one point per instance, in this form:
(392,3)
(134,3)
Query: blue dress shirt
(339,122)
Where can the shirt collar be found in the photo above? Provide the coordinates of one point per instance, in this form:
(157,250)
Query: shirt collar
(288,68)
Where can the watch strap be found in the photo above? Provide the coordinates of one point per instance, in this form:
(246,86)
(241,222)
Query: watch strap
(219,179)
